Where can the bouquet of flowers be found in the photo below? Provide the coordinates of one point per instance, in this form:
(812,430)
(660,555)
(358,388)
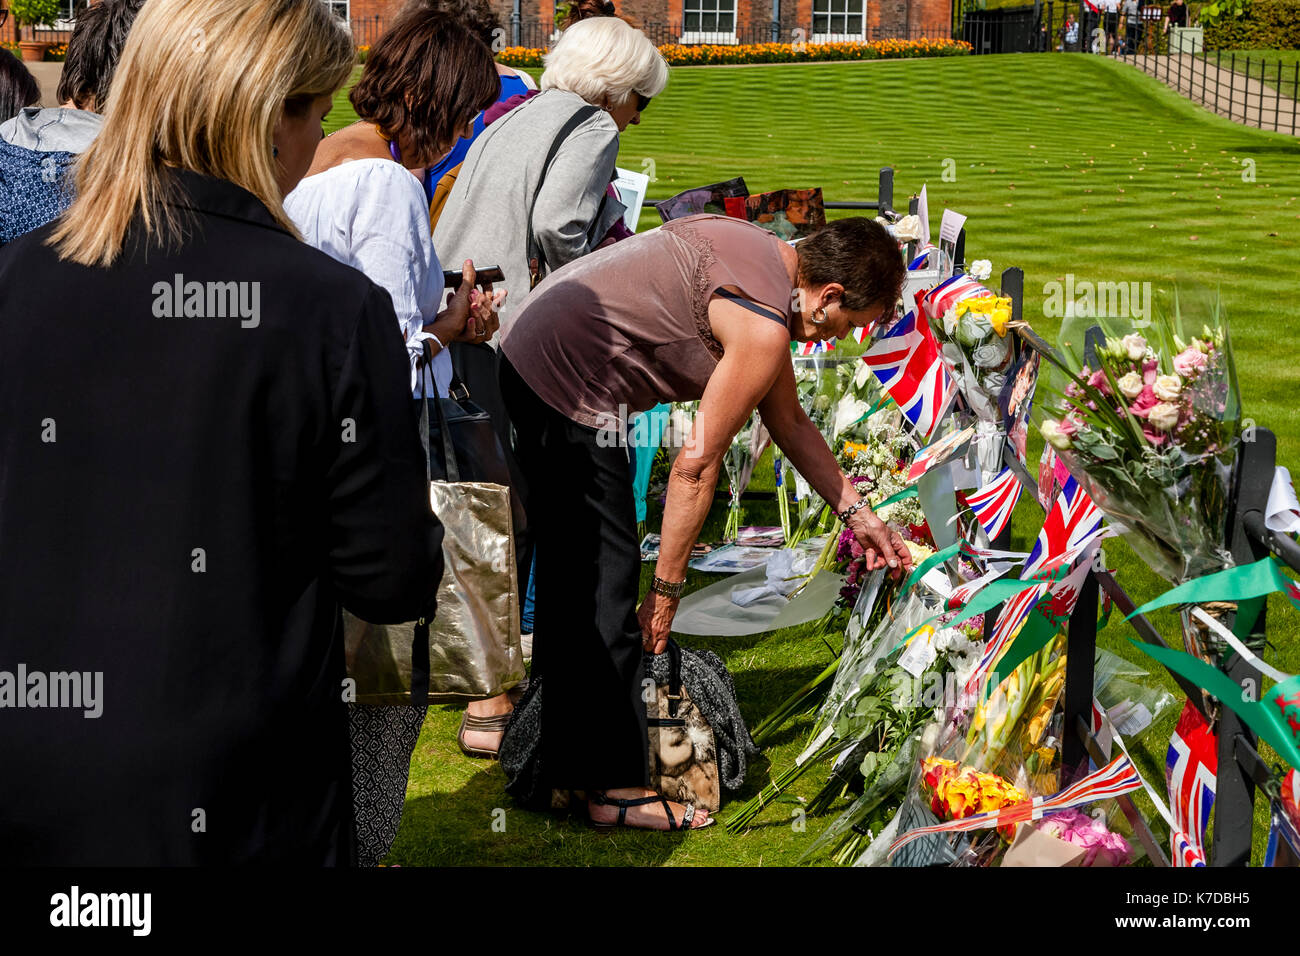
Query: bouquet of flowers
(1150,427)
(739,462)
(1102,846)
(976,349)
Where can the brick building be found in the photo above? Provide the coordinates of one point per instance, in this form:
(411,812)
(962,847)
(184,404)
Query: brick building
(711,21)
(667,21)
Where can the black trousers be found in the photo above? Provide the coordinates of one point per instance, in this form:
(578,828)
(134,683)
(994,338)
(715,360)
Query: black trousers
(587,641)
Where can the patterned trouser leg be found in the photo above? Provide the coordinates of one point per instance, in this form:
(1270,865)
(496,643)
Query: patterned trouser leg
(383,740)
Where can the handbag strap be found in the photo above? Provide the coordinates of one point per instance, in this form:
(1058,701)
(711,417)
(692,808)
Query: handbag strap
(448,446)
(536,257)
(674,676)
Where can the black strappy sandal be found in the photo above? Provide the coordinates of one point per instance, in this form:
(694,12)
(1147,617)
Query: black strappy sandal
(688,816)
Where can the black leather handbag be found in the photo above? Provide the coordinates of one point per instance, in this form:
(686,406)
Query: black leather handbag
(464,444)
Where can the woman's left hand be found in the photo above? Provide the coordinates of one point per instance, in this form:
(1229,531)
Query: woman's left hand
(656,616)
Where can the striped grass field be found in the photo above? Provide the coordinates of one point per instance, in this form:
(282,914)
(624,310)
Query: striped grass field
(1065,165)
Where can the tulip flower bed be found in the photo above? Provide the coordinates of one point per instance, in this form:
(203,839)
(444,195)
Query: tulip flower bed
(742,53)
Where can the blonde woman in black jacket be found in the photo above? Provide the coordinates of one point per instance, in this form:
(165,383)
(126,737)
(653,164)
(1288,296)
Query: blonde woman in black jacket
(208,445)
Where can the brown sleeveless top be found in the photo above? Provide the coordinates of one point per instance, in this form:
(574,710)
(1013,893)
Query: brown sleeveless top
(628,325)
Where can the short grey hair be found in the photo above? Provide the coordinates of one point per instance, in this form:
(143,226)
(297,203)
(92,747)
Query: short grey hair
(605,57)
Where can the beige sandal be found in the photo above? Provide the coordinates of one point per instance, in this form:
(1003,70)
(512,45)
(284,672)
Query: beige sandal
(486,725)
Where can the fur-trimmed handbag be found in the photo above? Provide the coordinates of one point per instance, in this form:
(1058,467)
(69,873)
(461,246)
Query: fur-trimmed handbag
(699,745)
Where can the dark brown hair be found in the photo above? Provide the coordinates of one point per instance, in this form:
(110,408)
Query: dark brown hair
(477,15)
(586,9)
(17,86)
(424,80)
(859,254)
(93,52)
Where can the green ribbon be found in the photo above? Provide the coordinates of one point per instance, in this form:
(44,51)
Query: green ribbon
(894,499)
(1275,719)
(1247,585)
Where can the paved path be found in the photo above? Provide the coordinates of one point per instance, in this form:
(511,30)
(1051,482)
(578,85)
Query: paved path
(47,76)
(1240,98)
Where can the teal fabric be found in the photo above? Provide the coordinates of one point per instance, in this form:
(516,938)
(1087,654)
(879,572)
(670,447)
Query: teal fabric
(645,431)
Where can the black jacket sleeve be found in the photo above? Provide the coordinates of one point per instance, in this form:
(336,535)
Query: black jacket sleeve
(385,547)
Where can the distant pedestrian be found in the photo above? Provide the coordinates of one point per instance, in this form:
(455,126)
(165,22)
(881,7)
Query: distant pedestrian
(1069,35)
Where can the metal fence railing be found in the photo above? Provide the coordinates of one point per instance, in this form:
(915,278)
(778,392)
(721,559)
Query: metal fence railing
(1253,90)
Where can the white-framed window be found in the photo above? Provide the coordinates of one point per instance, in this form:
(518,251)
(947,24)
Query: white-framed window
(68,14)
(709,21)
(836,21)
(341,9)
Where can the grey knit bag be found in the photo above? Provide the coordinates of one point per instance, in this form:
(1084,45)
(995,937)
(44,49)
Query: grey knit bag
(707,682)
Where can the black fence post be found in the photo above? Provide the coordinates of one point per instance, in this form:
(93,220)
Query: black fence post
(885,194)
(1234,800)
(1081,652)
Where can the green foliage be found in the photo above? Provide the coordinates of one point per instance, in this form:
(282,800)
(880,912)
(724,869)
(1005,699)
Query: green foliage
(40,13)
(1222,11)
(1264,23)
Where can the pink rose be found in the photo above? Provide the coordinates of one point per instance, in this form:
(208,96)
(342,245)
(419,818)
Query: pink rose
(1098,381)
(1189,361)
(1145,401)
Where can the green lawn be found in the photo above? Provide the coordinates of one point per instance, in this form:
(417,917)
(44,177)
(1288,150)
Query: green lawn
(1064,165)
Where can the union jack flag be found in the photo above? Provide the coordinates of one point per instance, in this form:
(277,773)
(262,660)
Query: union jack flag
(1071,529)
(921,259)
(1014,613)
(1190,771)
(906,361)
(814,348)
(994,503)
(948,293)
(1071,525)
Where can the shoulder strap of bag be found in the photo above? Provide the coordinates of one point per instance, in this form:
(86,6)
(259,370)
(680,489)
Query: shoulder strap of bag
(536,258)
(448,446)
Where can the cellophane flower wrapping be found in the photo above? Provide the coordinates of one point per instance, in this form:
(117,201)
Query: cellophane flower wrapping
(977,350)
(1150,427)
(739,461)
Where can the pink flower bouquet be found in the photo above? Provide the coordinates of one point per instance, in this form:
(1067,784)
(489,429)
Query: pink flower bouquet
(1103,847)
(1149,425)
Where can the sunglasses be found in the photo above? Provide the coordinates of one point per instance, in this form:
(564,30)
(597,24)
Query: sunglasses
(642,102)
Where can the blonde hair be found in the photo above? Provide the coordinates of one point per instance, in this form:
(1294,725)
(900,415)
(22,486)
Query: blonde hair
(200,86)
(603,56)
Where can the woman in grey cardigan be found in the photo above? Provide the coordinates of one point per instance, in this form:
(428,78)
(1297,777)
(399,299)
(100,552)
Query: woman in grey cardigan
(602,63)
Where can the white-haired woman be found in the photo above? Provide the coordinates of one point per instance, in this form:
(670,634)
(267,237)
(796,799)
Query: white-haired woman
(599,77)
(602,63)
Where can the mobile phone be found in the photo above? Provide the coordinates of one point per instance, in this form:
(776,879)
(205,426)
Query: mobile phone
(488,274)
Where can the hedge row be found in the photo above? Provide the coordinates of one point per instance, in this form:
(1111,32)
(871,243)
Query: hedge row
(1267,24)
(707,55)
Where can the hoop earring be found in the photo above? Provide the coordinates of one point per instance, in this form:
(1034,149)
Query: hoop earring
(822,320)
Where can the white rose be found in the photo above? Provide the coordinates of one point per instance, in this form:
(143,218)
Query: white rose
(1053,435)
(950,322)
(1131,385)
(1168,387)
(1135,346)
(980,269)
(1164,416)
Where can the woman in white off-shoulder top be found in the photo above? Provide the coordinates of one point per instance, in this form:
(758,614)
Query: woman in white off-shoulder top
(362,203)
